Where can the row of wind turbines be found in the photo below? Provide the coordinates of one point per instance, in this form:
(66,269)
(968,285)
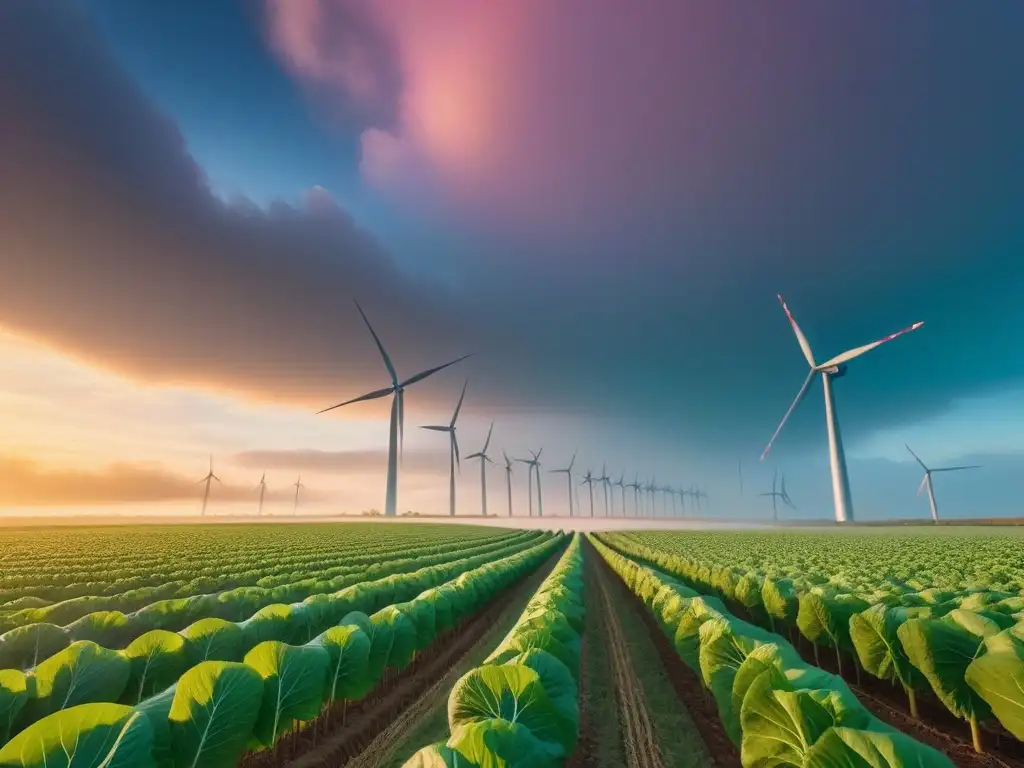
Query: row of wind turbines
(261,487)
(829,370)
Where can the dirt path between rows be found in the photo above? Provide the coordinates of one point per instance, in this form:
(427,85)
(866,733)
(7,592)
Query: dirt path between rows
(689,690)
(344,732)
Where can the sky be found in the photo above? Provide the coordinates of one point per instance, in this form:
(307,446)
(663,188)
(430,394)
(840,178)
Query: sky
(602,206)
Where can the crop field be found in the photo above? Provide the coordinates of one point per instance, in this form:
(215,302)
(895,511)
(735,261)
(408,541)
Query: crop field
(446,645)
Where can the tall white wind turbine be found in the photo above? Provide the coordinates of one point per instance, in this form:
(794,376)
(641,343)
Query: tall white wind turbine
(508,480)
(206,493)
(533,465)
(484,458)
(568,476)
(829,370)
(454,449)
(621,485)
(298,487)
(262,489)
(926,481)
(588,480)
(395,439)
(605,482)
(635,485)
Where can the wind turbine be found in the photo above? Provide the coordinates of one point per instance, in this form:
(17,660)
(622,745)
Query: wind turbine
(508,480)
(262,489)
(830,369)
(926,481)
(778,494)
(672,494)
(484,458)
(206,493)
(397,413)
(454,452)
(635,485)
(621,484)
(588,480)
(298,487)
(739,467)
(605,481)
(568,477)
(534,468)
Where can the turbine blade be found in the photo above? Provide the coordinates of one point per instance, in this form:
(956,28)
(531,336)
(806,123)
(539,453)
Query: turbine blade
(431,371)
(487,442)
(370,396)
(852,353)
(954,469)
(383,352)
(916,457)
(400,404)
(474,456)
(924,481)
(438,428)
(455,446)
(805,347)
(799,396)
(459,406)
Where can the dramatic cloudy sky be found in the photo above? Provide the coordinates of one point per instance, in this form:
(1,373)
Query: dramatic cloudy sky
(601,203)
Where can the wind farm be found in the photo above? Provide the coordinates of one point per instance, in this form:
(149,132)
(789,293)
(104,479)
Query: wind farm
(328,249)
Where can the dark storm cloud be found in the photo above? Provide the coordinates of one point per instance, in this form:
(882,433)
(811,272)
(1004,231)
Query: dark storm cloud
(886,195)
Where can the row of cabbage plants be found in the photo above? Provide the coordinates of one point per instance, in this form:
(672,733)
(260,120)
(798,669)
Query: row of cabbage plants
(967,647)
(775,707)
(86,672)
(521,706)
(254,563)
(225,597)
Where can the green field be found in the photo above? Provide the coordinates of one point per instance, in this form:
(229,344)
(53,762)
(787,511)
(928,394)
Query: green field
(262,645)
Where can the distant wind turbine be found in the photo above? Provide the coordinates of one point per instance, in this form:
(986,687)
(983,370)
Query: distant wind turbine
(778,493)
(508,480)
(926,481)
(605,482)
(621,485)
(454,449)
(262,487)
(588,480)
(298,487)
(635,485)
(397,414)
(568,476)
(484,458)
(739,467)
(534,468)
(829,370)
(206,493)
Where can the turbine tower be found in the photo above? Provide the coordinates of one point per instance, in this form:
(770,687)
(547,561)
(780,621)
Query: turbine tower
(454,449)
(926,481)
(484,458)
(778,494)
(568,477)
(635,485)
(534,468)
(262,487)
(739,467)
(829,370)
(397,388)
(621,485)
(588,480)
(206,493)
(298,487)
(605,482)
(508,480)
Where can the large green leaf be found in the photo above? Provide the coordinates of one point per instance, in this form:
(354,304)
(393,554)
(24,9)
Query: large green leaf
(874,635)
(500,743)
(511,692)
(853,748)
(722,652)
(998,677)
(80,674)
(215,707)
(15,691)
(401,632)
(348,667)
(157,659)
(942,650)
(158,710)
(825,619)
(214,640)
(558,682)
(86,736)
(26,646)
(687,635)
(293,685)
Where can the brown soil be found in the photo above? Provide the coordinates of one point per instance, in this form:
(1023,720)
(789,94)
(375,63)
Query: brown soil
(344,731)
(688,686)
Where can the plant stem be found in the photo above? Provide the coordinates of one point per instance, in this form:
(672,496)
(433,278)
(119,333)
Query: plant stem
(976,734)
